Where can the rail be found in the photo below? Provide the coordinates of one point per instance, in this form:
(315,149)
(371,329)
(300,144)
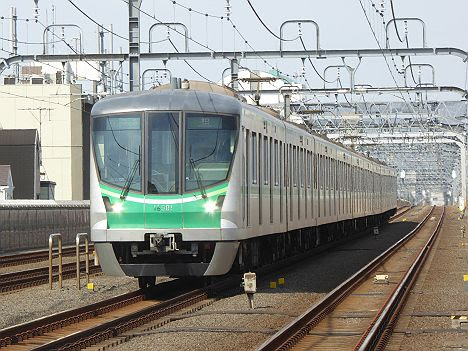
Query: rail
(377,336)
(292,333)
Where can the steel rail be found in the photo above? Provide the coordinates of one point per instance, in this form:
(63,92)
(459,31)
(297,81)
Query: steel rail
(292,333)
(399,214)
(37,276)
(24,331)
(33,256)
(376,337)
(91,336)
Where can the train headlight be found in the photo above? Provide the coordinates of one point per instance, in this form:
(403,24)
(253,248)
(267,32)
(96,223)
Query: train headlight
(117,208)
(210,206)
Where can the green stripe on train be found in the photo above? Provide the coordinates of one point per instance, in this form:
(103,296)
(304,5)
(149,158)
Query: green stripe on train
(165,212)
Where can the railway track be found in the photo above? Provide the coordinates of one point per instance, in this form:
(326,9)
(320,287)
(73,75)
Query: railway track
(400,213)
(85,326)
(35,256)
(37,276)
(360,313)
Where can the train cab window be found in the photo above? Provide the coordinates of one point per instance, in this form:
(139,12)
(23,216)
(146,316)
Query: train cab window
(117,148)
(210,143)
(163,168)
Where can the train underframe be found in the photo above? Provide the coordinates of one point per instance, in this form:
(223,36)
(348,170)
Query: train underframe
(252,253)
(259,251)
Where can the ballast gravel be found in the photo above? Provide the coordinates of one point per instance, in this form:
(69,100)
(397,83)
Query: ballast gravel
(39,301)
(229,324)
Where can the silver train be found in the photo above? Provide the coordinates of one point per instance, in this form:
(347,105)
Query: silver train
(195,182)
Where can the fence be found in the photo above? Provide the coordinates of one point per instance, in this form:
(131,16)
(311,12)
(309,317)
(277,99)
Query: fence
(27,224)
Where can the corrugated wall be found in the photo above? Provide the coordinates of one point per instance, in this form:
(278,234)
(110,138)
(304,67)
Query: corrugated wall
(27,225)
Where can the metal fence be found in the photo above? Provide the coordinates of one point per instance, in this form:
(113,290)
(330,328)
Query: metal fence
(27,224)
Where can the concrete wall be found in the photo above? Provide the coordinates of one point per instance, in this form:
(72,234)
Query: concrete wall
(55,110)
(27,225)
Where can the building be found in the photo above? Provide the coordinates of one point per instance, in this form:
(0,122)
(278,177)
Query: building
(56,111)
(6,183)
(20,149)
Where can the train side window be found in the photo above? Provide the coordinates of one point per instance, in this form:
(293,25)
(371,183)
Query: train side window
(309,169)
(266,169)
(294,167)
(247,175)
(276,163)
(302,166)
(280,176)
(254,158)
(315,171)
(320,172)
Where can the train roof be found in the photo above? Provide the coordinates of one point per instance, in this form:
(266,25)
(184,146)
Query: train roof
(168,100)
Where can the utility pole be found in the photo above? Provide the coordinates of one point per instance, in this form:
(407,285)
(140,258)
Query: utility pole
(134,43)
(111,48)
(102,63)
(14,37)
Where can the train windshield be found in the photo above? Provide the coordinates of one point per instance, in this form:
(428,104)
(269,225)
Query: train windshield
(163,153)
(209,149)
(117,146)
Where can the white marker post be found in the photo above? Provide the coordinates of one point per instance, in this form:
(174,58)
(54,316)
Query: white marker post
(250,286)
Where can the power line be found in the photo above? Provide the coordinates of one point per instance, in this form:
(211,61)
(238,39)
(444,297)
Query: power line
(28,42)
(312,64)
(380,47)
(94,21)
(168,26)
(394,22)
(41,100)
(264,25)
(76,52)
(236,28)
(188,64)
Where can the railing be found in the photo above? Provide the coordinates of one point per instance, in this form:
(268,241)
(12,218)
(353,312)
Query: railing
(80,236)
(58,236)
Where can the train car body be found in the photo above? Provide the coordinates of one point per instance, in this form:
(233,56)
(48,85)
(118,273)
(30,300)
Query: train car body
(191,183)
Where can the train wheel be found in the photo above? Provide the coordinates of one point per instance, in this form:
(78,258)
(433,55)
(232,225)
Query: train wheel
(146,282)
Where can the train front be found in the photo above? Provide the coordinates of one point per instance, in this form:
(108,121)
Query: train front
(161,167)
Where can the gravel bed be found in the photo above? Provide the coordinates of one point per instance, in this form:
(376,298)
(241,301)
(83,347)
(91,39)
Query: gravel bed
(305,284)
(39,301)
(438,290)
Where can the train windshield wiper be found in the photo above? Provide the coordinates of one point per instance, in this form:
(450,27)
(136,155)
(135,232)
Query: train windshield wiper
(198,178)
(130,177)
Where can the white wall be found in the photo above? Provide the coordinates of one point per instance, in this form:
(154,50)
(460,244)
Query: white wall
(59,126)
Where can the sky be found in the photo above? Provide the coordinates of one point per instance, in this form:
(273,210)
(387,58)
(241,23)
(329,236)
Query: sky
(342,26)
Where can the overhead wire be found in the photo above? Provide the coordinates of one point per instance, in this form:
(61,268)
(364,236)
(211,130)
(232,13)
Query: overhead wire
(380,47)
(188,64)
(266,27)
(394,22)
(94,21)
(236,29)
(76,52)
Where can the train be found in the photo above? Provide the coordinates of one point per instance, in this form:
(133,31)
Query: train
(193,181)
